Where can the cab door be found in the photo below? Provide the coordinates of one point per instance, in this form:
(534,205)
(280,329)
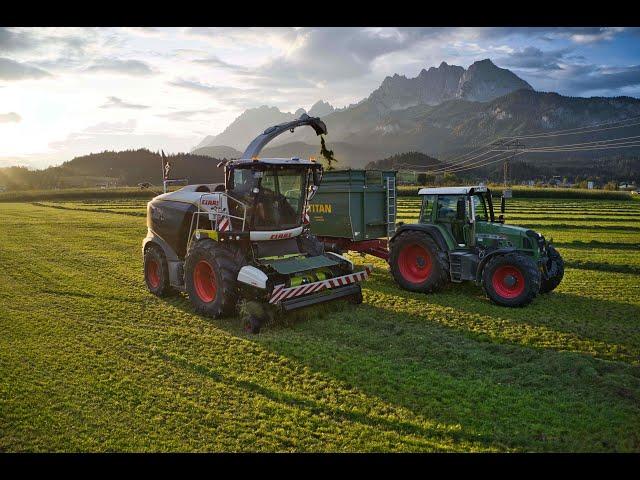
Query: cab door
(447,216)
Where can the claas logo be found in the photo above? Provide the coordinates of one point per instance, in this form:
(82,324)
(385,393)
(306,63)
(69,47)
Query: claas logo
(278,236)
(320,208)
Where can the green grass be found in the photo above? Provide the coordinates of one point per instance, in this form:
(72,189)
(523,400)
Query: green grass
(90,361)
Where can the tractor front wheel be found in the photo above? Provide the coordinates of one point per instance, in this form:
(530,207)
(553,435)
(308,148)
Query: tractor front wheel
(417,263)
(555,271)
(210,278)
(511,280)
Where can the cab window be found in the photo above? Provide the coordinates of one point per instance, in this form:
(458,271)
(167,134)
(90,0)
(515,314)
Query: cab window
(447,207)
(480,208)
(426,209)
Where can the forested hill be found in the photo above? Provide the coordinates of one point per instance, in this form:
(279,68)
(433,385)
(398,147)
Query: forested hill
(128,167)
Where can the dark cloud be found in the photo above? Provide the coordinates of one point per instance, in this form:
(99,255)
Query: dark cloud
(116,102)
(11,117)
(532,57)
(591,78)
(125,67)
(11,41)
(12,70)
(575,34)
(30,41)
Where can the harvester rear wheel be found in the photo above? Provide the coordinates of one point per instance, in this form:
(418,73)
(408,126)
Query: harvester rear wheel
(511,280)
(210,278)
(156,271)
(555,269)
(417,264)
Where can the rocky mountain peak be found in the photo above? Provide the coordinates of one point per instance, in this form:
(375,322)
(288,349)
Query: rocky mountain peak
(321,108)
(484,81)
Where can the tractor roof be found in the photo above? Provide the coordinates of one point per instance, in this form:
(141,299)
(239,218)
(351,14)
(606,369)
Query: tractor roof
(451,190)
(273,161)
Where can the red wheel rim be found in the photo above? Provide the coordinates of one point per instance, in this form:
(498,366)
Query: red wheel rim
(415,263)
(153,276)
(508,281)
(204,280)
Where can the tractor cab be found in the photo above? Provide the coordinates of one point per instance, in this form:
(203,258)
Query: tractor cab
(466,217)
(273,191)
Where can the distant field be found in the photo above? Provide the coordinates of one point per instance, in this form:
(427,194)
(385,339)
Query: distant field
(90,361)
(117,194)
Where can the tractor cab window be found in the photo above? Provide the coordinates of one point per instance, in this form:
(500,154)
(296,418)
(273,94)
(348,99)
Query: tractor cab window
(480,207)
(447,215)
(427,208)
(447,208)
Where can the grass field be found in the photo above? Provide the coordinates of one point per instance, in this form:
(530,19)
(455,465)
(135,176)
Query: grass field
(90,361)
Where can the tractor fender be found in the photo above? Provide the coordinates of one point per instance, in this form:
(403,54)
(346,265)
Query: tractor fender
(489,255)
(154,238)
(429,229)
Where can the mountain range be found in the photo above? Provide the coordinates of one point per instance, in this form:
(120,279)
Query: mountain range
(443,112)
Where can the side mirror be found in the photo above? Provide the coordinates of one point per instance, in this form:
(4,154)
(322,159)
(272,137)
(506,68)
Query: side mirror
(316,177)
(461,209)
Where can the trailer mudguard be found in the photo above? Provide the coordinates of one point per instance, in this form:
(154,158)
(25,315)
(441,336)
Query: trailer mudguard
(258,143)
(432,230)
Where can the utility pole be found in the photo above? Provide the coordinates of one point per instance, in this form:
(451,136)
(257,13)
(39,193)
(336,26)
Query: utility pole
(508,146)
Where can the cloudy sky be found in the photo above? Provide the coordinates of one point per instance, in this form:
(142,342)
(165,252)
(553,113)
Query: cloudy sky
(70,91)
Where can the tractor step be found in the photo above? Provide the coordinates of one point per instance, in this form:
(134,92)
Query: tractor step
(462,266)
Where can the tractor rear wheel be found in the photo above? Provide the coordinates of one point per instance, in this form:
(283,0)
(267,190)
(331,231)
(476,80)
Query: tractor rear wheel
(555,271)
(210,278)
(156,271)
(417,264)
(511,280)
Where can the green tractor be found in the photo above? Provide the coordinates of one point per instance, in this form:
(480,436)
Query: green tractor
(458,238)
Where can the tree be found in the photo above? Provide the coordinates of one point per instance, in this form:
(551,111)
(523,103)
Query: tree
(326,154)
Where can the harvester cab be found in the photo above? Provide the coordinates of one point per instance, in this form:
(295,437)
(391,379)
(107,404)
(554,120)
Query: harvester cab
(247,238)
(458,237)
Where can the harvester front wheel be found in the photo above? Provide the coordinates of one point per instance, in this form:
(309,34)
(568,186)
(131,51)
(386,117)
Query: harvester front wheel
(555,271)
(156,272)
(210,278)
(511,280)
(417,263)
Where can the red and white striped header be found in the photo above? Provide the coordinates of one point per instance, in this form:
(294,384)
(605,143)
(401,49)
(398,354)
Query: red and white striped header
(281,293)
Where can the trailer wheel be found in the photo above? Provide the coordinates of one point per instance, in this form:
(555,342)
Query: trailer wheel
(210,278)
(511,280)
(417,264)
(156,271)
(555,269)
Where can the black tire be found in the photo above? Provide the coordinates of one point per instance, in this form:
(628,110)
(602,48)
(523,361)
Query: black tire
(428,274)
(210,273)
(501,270)
(356,298)
(253,325)
(156,271)
(555,270)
